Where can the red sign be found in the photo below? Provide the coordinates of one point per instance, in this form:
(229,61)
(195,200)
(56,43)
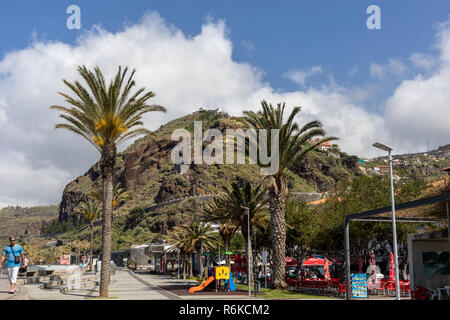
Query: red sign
(64,259)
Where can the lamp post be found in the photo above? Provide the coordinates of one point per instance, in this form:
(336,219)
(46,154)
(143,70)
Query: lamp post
(249,247)
(394,228)
(201,251)
(254,260)
(178,264)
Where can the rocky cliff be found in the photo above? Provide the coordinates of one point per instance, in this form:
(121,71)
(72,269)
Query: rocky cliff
(145,170)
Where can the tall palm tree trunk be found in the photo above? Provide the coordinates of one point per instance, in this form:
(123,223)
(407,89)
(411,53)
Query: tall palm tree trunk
(184,266)
(278,232)
(91,240)
(200,265)
(107,167)
(226,246)
(190,266)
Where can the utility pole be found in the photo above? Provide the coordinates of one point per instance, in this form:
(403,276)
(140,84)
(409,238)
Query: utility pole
(254,259)
(249,247)
(394,228)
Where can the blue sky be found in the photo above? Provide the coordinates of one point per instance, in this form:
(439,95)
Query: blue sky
(390,85)
(284,35)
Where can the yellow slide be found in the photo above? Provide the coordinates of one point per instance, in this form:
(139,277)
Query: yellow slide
(202,286)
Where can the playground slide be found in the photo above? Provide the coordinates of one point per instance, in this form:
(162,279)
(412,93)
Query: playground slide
(202,286)
(232,285)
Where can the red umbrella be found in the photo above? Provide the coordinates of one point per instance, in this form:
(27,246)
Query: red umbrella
(391,267)
(314,262)
(290,262)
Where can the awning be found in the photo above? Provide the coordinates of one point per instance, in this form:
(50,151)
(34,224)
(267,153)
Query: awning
(314,262)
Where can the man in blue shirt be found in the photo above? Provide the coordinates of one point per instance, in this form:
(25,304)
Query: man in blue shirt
(15,259)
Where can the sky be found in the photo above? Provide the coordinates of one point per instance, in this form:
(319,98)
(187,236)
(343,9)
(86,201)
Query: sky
(390,85)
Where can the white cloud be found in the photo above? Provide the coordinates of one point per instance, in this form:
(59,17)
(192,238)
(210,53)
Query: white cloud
(300,76)
(353,70)
(25,185)
(377,70)
(185,72)
(422,61)
(394,67)
(249,46)
(419,109)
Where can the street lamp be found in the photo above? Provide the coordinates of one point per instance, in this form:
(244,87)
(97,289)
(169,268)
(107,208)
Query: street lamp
(201,251)
(249,247)
(394,229)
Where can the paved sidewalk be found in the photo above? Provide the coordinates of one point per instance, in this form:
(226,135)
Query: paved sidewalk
(21,291)
(181,288)
(127,287)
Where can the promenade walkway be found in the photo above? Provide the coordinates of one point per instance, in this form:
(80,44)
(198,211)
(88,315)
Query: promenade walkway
(126,285)
(21,293)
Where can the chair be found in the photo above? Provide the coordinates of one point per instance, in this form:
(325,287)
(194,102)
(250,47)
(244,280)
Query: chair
(341,289)
(420,293)
(447,289)
(390,288)
(434,293)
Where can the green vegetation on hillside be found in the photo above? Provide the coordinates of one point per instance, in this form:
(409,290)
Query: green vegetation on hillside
(24,222)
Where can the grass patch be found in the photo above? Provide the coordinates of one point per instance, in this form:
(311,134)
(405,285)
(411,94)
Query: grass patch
(267,293)
(287,294)
(244,287)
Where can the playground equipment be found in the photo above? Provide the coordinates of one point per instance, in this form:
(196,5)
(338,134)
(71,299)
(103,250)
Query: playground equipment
(216,276)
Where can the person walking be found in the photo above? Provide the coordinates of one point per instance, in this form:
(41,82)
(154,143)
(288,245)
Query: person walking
(15,258)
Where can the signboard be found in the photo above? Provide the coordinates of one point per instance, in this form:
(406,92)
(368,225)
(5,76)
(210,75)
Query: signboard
(359,285)
(264,257)
(64,259)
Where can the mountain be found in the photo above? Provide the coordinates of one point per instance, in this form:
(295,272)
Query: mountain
(24,222)
(427,165)
(145,170)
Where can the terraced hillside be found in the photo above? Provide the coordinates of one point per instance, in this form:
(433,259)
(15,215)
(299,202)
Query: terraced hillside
(24,222)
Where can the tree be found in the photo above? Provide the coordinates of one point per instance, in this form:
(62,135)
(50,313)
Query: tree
(180,241)
(229,208)
(106,116)
(191,238)
(91,211)
(201,237)
(81,247)
(301,228)
(217,211)
(364,193)
(294,143)
(120,195)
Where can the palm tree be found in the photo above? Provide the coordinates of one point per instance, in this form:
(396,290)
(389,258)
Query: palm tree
(91,211)
(228,208)
(294,143)
(178,238)
(106,116)
(191,238)
(201,237)
(217,210)
(120,195)
(226,232)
